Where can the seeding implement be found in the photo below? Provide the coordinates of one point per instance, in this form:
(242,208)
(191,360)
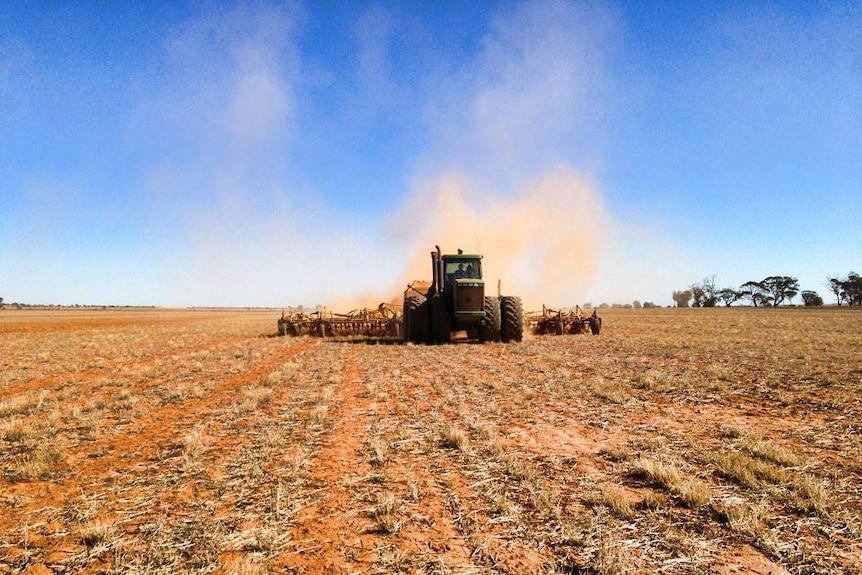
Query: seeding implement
(380,322)
(558,322)
(453,302)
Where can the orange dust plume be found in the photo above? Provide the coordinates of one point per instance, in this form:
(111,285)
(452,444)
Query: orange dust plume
(543,241)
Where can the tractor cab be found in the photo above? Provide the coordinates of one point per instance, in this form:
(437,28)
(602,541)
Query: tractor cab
(461,282)
(460,267)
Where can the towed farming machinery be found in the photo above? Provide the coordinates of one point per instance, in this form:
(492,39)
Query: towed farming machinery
(380,322)
(453,302)
(559,322)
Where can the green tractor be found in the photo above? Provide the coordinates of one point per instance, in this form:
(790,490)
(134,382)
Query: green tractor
(455,301)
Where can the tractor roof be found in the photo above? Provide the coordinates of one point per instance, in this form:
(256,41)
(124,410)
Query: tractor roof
(462,256)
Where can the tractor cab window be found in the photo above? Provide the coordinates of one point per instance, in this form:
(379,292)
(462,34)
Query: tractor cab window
(462,269)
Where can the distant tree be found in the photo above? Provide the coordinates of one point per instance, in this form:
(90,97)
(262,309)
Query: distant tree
(710,291)
(603,305)
(781,288)
(853,289)
(836,286)
(1,303)
(697,295)
(811,298)
(681,298)
(705,293)
(649,305)
(727,296)
(848,289)
(756,293)
(636,304)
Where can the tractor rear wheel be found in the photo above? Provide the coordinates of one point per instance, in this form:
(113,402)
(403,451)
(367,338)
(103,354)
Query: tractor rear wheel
(512,324)
(595,325)
(489,328)
(415,319)
(441,321)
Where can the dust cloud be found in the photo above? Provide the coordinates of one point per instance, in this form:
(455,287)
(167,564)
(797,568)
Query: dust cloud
(542,241)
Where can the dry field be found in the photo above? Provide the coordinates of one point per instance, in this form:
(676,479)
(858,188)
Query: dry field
(678,441)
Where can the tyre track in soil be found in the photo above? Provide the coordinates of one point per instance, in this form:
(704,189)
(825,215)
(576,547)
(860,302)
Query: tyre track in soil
(88,386)
(328,530)
(150,434)
(48,382)
(693,425)
(337,531)
(491,547)
(430,536)
(244,469)
(556,428)
(134,450)
(334,533)
(565,436)
(697,423)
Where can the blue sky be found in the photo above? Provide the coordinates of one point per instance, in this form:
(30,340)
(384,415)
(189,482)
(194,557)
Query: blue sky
(170,153)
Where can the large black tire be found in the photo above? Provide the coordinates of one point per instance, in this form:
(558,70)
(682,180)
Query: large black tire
(512,322)
(489,328)
(441,319)
(415,319)
(595,325)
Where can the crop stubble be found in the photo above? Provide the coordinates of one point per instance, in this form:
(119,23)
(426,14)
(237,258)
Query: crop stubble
(681,441)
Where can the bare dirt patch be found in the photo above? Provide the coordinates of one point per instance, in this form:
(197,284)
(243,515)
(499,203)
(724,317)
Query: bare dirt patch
(678,441)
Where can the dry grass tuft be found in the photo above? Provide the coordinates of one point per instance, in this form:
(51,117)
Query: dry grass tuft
(97,532)
(745,519)
(319,413)
(768,451)
(691,492)
(378,451)
(40,463)
(610,391)
(809,495)
(747,471)
(618,502)
(251,399)
(453,437)
(195,442)
(615,453)
(19,405)
(385,514)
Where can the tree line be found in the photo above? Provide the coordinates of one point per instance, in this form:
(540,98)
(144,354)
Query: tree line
(770,291)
